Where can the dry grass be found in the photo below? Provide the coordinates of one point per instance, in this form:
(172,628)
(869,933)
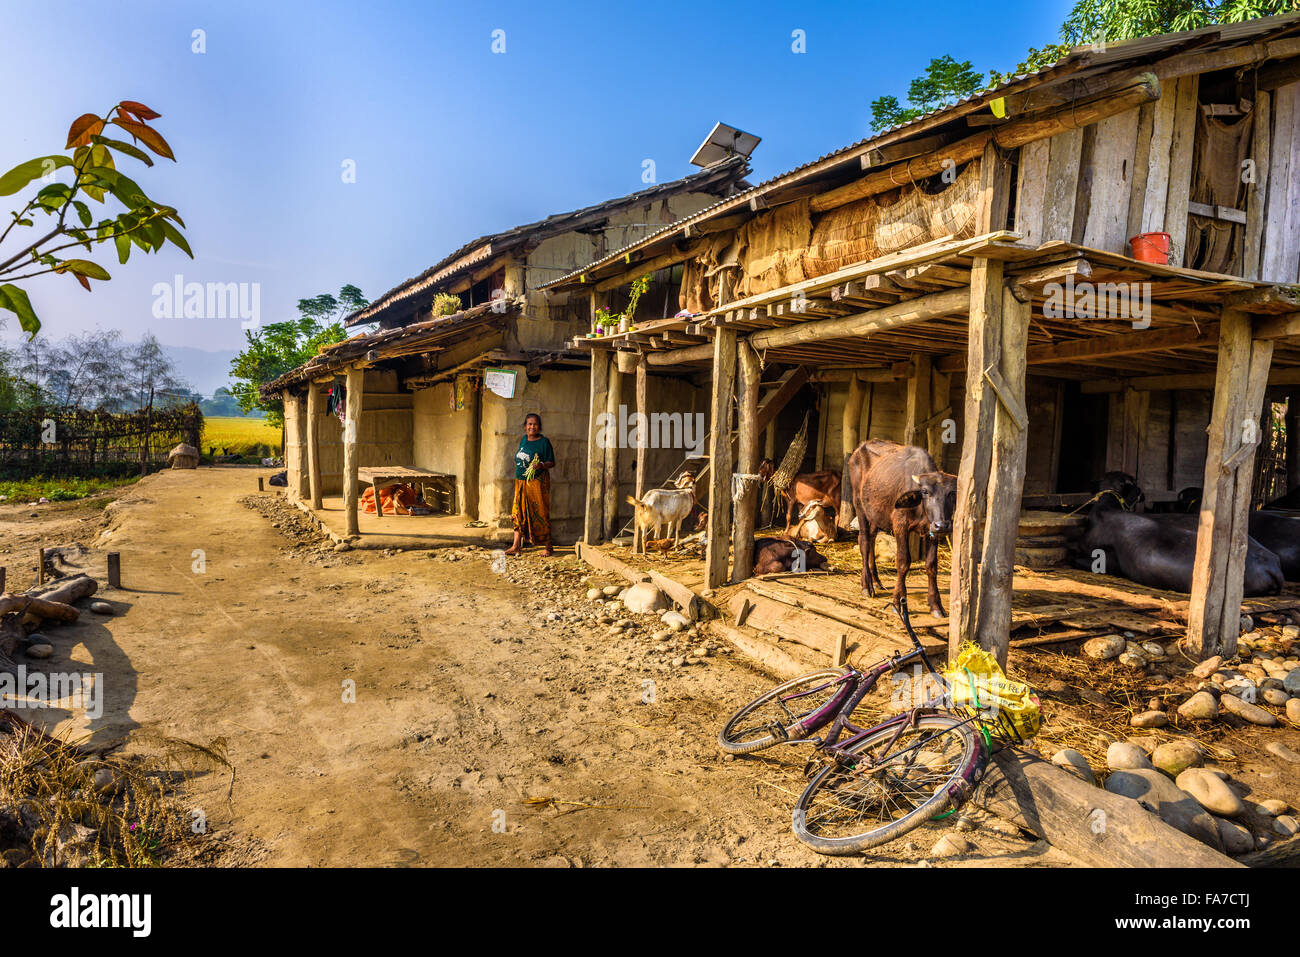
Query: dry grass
(60,807)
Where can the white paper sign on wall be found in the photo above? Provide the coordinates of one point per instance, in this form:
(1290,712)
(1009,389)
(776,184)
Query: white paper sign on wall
(500,382)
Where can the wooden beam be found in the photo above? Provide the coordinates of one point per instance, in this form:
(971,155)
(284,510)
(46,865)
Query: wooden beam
(851,425)
(351,431)
(1095,827)
(1257,188)
(649,266)
(790,385)
(917,402)
(700,353)
(724,376)
(1278,327)
(1081,113)
(1123,344)
(594,522)
(313,445)
(899,314)
(742,539)
(1190,381)
(1241,377)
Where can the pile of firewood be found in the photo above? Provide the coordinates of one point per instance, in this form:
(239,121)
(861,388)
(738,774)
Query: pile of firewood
(29,611)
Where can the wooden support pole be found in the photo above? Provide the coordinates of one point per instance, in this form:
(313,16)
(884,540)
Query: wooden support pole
(983,352)
(261,484)
(313,445)
(298,482)
(114,570)
(40,566)
(2,579)
(609,481)
(351,431)
(742,539)
(469,495)
(724,375)
(1006,483)
(643,437)
(918,400)
(1214,613)
(851,426)
(594,521)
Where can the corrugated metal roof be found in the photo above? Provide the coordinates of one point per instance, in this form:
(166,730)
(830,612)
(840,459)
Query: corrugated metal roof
(1089,57)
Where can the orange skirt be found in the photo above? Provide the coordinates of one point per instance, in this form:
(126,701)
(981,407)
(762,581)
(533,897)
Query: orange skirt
(531,510)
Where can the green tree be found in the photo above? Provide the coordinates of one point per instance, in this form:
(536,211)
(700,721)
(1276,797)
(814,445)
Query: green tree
(94,176)
(945,82)
(279,347)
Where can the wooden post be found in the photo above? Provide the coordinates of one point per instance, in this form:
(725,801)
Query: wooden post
(613,399)
(940,399)
(984,345)
(114,570)
(473,453)
(851,426)
(313,445)
(40,566)
(2,579)
(765,493)
(1214,612)
(299,482)
(594,523)
(918,400)
(643,438)
(351,430)
(724,375)
(1006,481)
(742,539)
(261,484)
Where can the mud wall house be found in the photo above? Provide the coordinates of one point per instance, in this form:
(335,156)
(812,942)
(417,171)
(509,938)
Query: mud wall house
(418,378)
(966,282)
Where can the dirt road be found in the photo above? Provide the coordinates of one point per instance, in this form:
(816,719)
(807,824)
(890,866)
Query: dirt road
(494,721)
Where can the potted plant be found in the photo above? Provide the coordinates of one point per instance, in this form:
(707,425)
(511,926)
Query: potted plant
(603,321)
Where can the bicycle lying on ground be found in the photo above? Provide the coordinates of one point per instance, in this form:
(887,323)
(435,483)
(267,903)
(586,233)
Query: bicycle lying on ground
(879,782)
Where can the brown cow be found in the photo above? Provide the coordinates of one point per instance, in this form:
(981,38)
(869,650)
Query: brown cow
(823,487)
(898,488)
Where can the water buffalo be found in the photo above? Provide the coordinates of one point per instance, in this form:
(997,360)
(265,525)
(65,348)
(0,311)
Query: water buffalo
(1160,552)
(900,489)
(1279,534)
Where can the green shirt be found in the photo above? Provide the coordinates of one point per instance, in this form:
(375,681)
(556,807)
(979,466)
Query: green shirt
(541,447)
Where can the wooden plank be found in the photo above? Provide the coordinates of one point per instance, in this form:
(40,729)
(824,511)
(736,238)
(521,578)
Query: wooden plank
(1061,191)
(1257,187)
(689,603)
(1031,191)
(1289,268)
(724,375)
(593,529)
(1090,824)
(791,383)
(742,545)
(1180,167)
(1155,197)
(768,654)
(1112,182)
(1082,112)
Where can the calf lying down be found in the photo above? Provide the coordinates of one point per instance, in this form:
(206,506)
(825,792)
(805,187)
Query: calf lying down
(778,555)
(1160,552)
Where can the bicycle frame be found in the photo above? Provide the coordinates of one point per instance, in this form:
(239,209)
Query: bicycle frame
(855,686)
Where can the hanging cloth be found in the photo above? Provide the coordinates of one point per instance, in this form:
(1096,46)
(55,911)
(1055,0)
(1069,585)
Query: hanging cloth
(337,401)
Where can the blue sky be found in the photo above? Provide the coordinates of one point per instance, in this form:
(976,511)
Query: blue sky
(450,140)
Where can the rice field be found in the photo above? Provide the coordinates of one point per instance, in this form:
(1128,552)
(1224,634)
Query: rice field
(242,436)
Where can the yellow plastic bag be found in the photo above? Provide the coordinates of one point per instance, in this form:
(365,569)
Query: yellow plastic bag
(978,684)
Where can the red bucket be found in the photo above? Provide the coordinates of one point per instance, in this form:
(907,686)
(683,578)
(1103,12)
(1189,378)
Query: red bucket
(1151,248)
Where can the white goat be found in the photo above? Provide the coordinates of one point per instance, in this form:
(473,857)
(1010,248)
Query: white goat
(662,507)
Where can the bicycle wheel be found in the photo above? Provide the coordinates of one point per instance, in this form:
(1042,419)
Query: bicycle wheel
(754,726)
(892,789)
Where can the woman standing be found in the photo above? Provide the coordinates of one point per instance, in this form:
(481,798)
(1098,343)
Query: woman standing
(531,511)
